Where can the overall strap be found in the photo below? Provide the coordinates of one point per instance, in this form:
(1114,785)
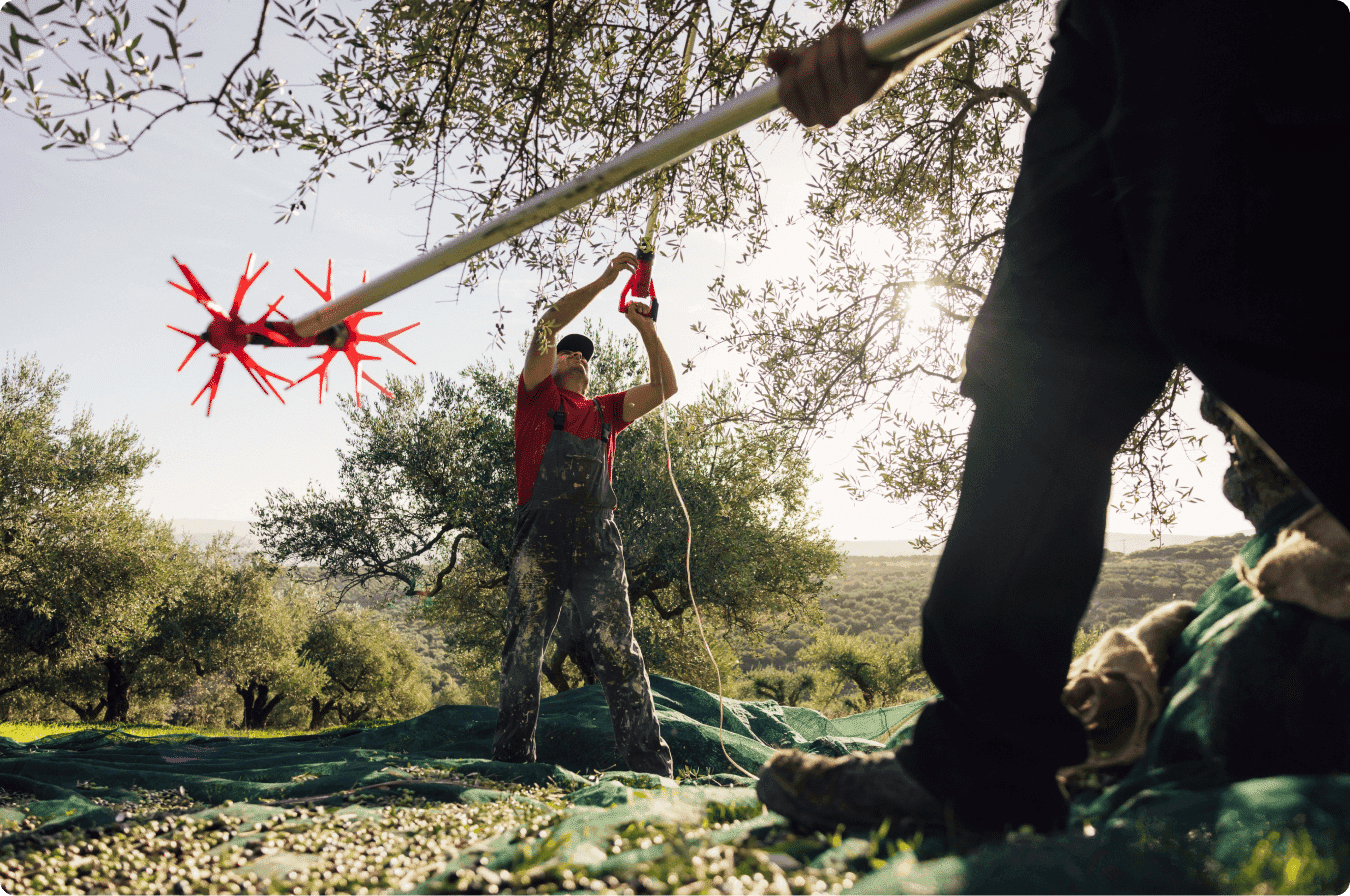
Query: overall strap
(604,424)
(560,418)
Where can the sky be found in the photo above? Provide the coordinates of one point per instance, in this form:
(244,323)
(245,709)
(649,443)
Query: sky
(88,251)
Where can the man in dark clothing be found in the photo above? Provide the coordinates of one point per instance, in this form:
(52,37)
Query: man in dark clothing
(566,540)
(1181,198)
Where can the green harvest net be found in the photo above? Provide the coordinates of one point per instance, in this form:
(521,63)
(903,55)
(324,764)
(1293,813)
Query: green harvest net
(1178,811)
(1256,691)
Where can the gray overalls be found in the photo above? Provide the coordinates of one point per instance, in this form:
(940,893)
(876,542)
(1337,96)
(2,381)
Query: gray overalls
(566,540)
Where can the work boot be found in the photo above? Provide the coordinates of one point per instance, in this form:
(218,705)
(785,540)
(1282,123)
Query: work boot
(857,790)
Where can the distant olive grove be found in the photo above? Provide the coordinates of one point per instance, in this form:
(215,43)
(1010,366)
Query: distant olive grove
(106,616)
(867,652)
(885,595)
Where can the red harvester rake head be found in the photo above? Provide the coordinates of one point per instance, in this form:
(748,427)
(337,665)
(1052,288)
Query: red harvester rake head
(229,335)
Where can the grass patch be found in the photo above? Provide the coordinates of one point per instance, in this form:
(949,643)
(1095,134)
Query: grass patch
(27,732)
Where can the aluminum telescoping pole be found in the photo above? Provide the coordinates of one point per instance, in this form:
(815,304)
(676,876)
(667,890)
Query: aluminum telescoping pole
(909,32)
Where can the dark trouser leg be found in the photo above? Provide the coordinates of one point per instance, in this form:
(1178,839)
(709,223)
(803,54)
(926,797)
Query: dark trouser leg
(1015,578)
(534,600)
(1167,208)
(600,592)
(1061,365)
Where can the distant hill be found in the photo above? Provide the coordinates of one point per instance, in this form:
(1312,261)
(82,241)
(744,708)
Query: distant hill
(857,548)
(1121,543)
(1132,584)
(884,593)
(202,531)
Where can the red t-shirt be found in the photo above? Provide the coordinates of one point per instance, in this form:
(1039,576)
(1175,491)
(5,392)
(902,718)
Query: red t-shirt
(534,426)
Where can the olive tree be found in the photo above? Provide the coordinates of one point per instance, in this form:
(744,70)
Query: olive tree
(83,573)
(427,497)
(369,670)
(242,625)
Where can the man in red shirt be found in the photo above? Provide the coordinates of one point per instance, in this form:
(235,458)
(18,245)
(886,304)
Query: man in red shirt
(566,539)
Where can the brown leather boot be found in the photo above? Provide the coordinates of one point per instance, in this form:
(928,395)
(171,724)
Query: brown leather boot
(857,790)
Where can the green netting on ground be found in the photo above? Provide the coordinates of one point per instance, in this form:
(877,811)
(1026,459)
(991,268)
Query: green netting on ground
(1179,821)
(876,724)
(66,773)
(79,782)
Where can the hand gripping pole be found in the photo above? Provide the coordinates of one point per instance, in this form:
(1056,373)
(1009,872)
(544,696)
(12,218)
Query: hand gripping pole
(909,32)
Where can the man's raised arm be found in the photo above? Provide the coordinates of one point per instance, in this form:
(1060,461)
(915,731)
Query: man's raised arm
(641,399)
(543,348)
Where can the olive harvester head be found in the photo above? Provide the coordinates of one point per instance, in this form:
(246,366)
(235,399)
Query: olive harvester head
(230,335)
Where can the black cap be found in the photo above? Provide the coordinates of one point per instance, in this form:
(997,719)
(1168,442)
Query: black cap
(575,342)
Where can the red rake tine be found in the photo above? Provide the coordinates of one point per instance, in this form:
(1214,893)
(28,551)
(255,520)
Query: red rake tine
(383,390)
(200,342)
(354,338)
(231,335)
(245,281)
(213,383)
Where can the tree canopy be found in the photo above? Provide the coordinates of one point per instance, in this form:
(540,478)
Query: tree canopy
(81,570)
(369,671)
(474,104)
(102,607)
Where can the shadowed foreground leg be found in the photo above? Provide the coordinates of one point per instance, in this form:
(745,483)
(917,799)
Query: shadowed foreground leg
(1014,580)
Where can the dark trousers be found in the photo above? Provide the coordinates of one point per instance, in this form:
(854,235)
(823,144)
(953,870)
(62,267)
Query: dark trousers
(581,552)
(1182,198)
